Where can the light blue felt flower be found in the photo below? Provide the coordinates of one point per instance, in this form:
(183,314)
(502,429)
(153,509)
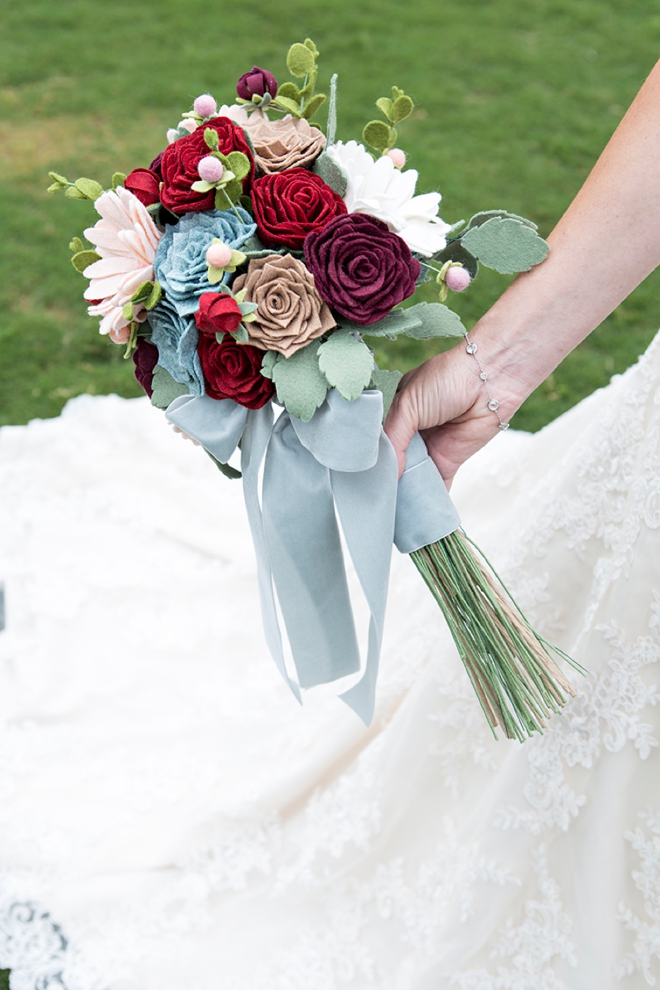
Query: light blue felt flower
(176,338)
(180,263)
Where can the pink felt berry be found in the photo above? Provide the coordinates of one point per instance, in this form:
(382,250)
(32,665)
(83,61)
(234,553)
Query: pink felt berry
(205,105)
(457,278)
(210,169)
(218,255)
(397,156)
(121,335)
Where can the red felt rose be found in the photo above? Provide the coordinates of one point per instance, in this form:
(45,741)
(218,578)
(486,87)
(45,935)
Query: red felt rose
(143,183)
(233,371)
(291,204)
(181,158)
(217,313)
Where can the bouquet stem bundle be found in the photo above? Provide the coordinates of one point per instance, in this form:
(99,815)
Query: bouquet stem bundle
(511,667)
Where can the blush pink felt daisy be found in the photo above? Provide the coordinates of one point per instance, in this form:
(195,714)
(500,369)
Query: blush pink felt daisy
(126,238)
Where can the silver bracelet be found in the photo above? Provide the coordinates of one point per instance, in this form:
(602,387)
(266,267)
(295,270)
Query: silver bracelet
(493,404)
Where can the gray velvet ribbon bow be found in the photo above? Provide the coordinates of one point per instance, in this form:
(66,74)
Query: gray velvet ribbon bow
(338,468)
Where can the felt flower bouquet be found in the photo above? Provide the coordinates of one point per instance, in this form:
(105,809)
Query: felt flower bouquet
(245,269)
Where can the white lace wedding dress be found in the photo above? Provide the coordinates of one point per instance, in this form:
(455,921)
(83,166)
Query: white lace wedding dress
(171,818)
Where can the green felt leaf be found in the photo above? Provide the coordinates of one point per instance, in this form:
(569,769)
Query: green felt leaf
(456,251)
(228,471)
(435,320)
(241,335)
(143,292)
(313,105)
(89,188)
(290,91)
(347,363)
(72,193)
(220,337)
(486,215)
(301,388)
(215,275)
(211,138)
(385,106)
(247,307)
(398,321)
(312,47)
(59,179)
(377,134)
(507,245)
(396,92)
(300,60)
(308,89)
(127,311)
(286,104)
(386,382)
(234,190)
(268,362)
(246,203)
(76,245)
(239,164)
(165,388)
(332,174)
(154,296)
(202,186)
(118,179)
(401,108)
(81,259)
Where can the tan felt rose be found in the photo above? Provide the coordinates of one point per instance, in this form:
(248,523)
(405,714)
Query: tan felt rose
(288,143)
(290,312)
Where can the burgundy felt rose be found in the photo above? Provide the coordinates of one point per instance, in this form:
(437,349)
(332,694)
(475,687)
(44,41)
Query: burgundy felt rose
(145,359)
(181,158)
(289,205)
(360,268)
(233,371)
(217,313)
(155,165)
(256,82)
(143,183)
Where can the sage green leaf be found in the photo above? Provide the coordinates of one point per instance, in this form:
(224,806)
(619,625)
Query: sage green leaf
(215,275)
(165,388)
(76,245)
(290,91)
(154,296)
(220,337)
(377,134)
(507,245)
(385,107)
(211,138)
(435,320)
(287,104)
(241,335)
(300,60)
(268,362)
(248,307)
(202,186)
(331,172)
(72,193)
(386,382)
(398,321)
(456,251)
(89,188)
(82,259)
(301,388)
(401,108)
(228,471)
(246,203)
(118,179)
(313,105)
(142,293)
(56,177)
(347,363)
(239,164)
(485,215)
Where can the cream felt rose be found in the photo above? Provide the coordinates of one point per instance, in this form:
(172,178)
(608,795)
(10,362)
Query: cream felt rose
(280,144)
(290,312)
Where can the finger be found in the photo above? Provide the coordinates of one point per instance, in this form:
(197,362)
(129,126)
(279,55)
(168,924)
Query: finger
(400,427)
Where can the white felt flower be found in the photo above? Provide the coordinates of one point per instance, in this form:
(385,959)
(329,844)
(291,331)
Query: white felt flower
(126,238)
(380,190)
(239,114)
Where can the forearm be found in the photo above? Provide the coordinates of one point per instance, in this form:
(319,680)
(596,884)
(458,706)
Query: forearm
(606,243)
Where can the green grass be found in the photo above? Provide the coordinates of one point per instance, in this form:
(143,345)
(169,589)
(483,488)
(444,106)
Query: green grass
(515,100)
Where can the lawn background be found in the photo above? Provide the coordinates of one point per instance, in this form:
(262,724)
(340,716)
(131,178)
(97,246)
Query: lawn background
(515,99)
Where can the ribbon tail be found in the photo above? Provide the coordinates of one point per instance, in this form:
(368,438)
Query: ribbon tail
(253,449)
(366,504)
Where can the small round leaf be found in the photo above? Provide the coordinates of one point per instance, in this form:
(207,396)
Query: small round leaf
(377,134)
(299,61)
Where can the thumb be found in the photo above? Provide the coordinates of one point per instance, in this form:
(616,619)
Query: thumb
(400,427)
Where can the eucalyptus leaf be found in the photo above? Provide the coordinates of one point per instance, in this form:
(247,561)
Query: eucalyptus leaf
(507,245)
(165,389)
(76,245)
(72,193)
(301,387)
(89,188)
(331,172)
(289,91)
(229,472)
(268,362)
(56,177)
(435,320)
(377,134)
(300,61)
(386,382)
(118,179)
(398,321)
(241,335)
(286,104)
(479,218)
(239,164)
(313,105)
(385,106)
(347,363)
(401,108)
(82,259)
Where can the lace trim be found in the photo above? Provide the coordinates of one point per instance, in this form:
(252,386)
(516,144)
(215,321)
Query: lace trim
(646,944)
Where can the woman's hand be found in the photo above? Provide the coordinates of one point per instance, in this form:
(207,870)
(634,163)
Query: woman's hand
(446,400)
